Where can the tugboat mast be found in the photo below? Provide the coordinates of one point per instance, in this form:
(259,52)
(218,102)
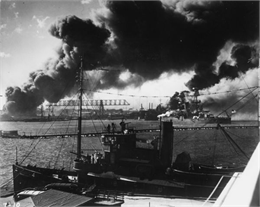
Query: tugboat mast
(80,74)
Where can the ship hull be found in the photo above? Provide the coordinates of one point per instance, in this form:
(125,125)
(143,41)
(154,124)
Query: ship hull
(39,178)
(25,177)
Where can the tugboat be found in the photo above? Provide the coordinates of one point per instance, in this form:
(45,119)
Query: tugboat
(121,167)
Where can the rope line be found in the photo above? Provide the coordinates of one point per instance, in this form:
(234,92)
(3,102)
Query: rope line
(237,101)
(167,96)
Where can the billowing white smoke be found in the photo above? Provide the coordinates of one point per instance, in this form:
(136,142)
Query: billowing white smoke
(228,92)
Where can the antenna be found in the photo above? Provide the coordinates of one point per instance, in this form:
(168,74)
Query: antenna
(80,74)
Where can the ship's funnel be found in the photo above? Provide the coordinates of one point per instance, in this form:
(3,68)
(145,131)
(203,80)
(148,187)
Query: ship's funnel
(166,143)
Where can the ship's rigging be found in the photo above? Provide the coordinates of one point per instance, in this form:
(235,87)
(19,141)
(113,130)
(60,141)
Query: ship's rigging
(79,124)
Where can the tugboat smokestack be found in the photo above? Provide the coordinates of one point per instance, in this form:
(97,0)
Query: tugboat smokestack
(166,144)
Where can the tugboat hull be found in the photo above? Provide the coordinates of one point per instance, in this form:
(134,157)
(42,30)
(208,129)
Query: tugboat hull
(26,178)
(30,177)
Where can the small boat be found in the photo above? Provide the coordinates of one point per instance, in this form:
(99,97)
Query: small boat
(9,134)
(185,170)
(200,173)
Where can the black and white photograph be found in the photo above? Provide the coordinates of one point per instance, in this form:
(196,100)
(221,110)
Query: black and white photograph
(129,103)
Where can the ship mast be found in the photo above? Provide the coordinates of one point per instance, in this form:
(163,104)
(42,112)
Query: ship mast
(80,76)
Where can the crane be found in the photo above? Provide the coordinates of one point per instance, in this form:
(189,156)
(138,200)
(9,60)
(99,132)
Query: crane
(91,102)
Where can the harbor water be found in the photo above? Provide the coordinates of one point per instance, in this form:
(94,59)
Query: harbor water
(55,152)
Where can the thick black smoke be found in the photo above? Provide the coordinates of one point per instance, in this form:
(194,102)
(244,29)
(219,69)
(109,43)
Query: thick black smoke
(153,37)
(146,38)
(57,78)
(82,38)
(23,100)
(245,57)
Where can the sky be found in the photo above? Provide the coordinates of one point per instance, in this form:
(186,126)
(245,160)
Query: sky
(158,48)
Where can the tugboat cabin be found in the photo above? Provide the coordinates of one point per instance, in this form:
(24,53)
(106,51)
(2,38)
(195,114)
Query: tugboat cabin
(122,156)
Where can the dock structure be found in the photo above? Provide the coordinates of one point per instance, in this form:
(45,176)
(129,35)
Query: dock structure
(243,188)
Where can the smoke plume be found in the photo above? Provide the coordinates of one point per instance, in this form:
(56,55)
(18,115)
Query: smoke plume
(145,39)
(58,76)
(245,57)
(240,93)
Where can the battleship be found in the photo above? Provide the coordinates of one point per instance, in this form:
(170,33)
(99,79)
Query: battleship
(183,106)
